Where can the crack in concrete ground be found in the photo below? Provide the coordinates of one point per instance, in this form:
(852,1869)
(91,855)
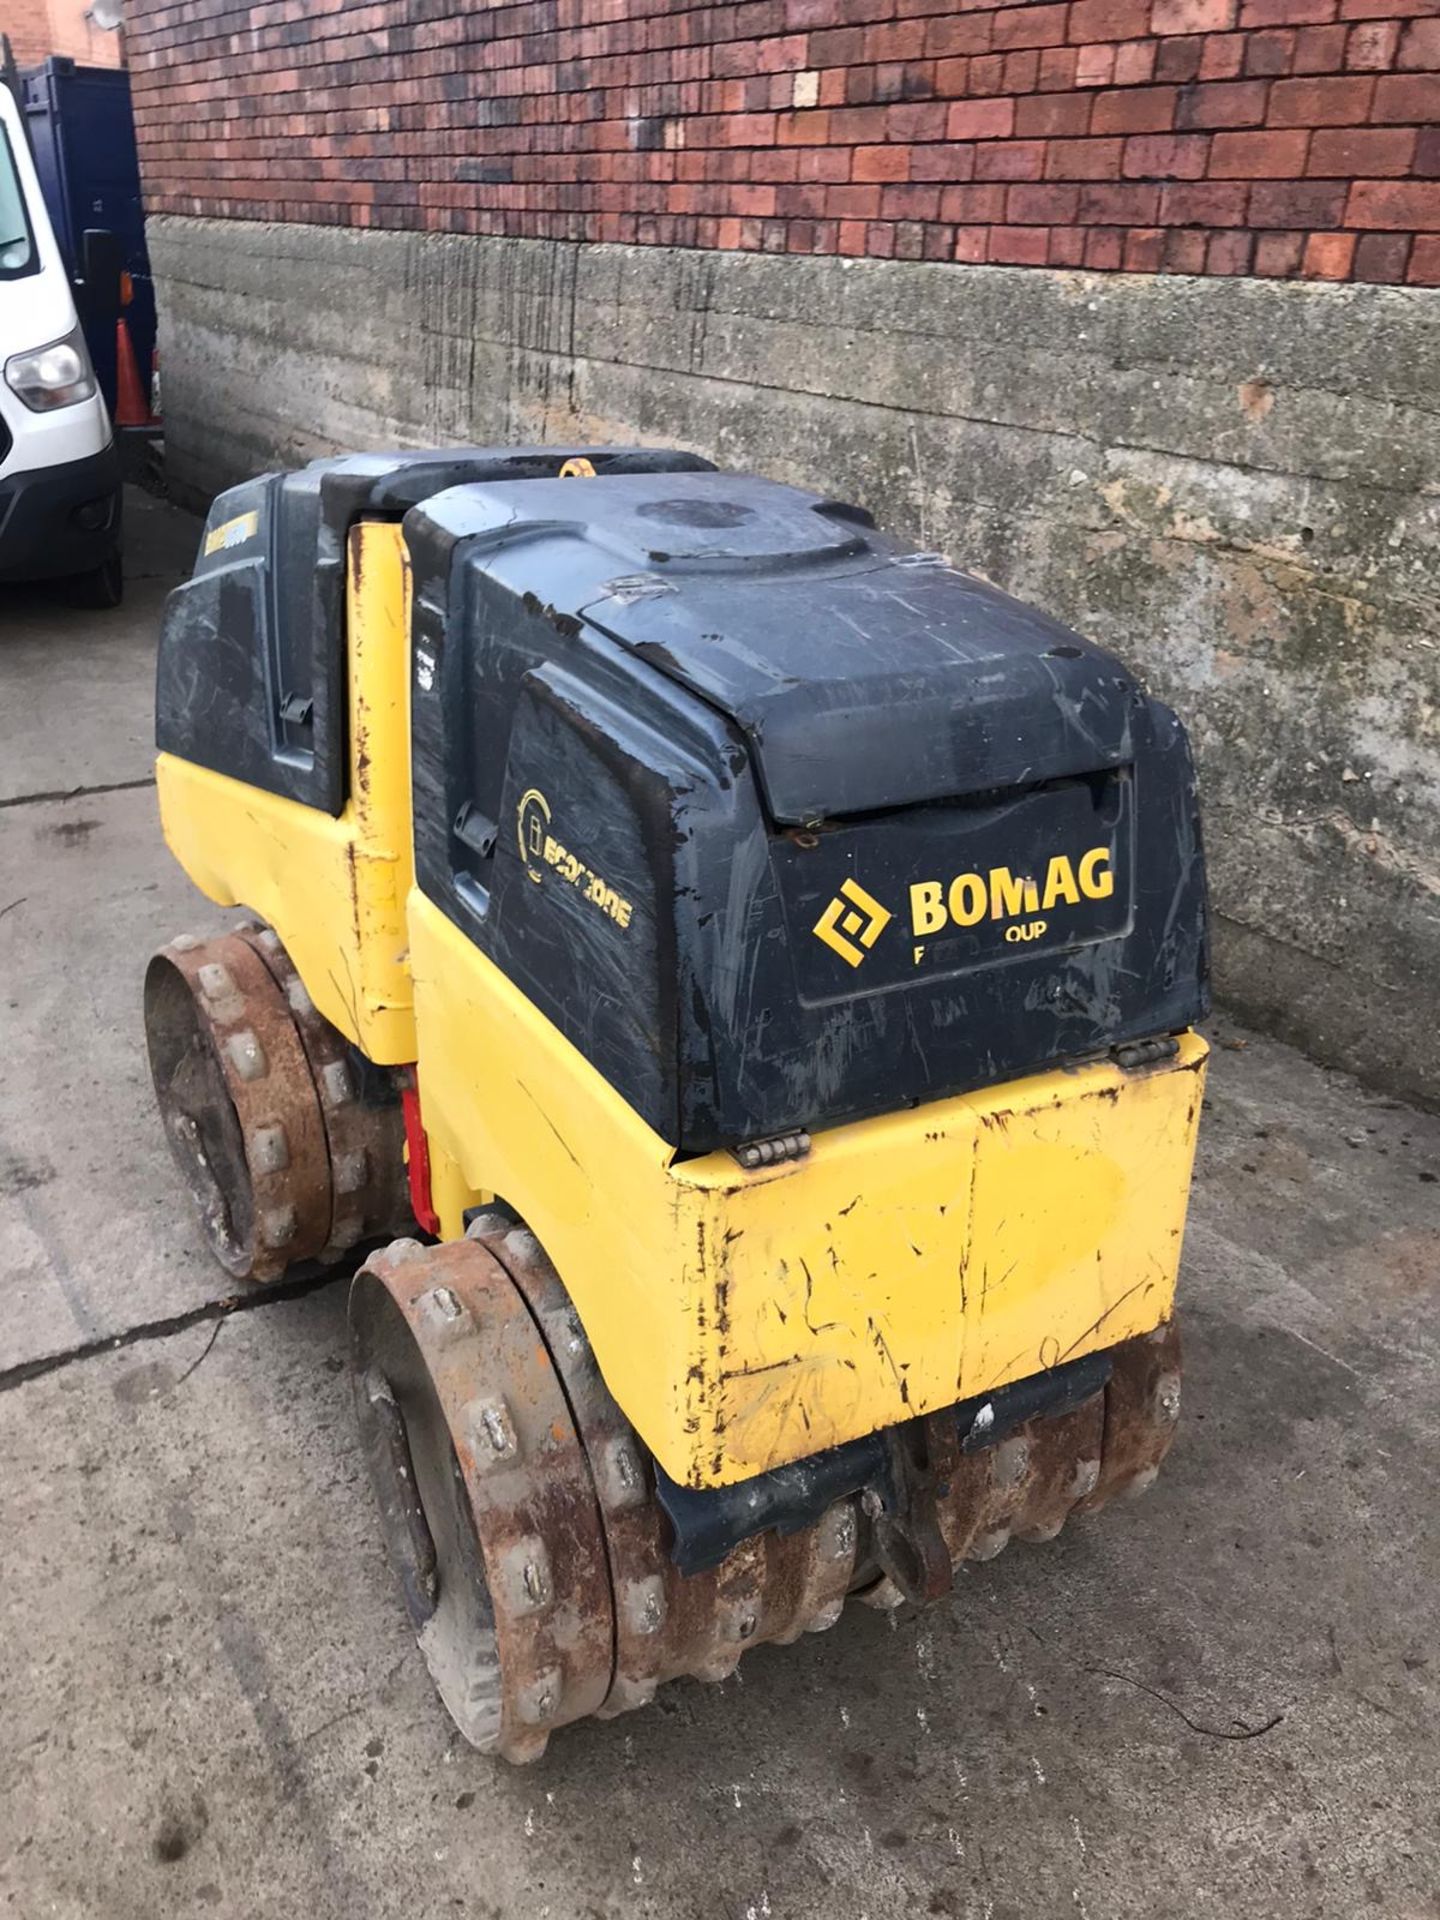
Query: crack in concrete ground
(77,793)
(299,1286)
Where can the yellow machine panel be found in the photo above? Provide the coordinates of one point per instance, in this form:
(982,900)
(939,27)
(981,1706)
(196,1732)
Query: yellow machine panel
(333,888)
(747,1319)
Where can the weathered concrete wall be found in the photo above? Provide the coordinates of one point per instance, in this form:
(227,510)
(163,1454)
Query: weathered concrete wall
(1234,483)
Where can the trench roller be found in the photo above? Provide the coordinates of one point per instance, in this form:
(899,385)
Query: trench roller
(723,982)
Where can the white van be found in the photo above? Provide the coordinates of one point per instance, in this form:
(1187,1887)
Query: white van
(59,469)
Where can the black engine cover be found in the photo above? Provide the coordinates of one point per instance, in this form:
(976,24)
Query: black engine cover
(250,676)
(780,822)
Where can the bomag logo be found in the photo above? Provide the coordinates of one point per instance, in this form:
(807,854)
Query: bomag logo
(854,920)
(542,853)
(1000,894)
(853,912)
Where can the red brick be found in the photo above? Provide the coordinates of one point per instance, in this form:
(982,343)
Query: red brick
(1067,247)
(1268,55)
(1057,69)
(952,77)
(1203,204)
(1319,49)
(1134,110)
(875,152)
(1341,102)
(1052,114)
(970,206)
(1329,256)
(1092,20)
(1095,66)
(1104,248)
(1109,205)
(1019,246)
(1287,13)
(1372,45)
(1083,160)
(904,202)
(857,126)
(881,163)
(1166,156)
(811,163)
(1222,56)
(1237,103)
(852,203)
(1278,255)
(1425,262)
(1258,156)
(951,160)
(1010,160)
(1395,205)
(1420,45)
(895,40)
(1030,26)
(957,33)
(1193,16)
(1022,71)
(1229,252)
(1349,153)
(1178,59)
(1297,203)
(1185,250)
(1041,206)
(843,48)
(1135,63)
(981,120)
(1382,258)
(1406,98)
(1144,250)
(811,129)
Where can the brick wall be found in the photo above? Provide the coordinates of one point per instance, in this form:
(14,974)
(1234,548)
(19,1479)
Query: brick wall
(27,23)
(1271,137)
(38,28)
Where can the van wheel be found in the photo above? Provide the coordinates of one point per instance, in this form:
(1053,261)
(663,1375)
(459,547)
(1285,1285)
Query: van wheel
(103,586)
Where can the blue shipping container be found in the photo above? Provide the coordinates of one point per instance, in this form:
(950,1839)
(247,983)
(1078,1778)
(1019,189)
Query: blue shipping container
(83,134)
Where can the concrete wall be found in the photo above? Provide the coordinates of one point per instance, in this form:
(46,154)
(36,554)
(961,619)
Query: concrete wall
(1233,483)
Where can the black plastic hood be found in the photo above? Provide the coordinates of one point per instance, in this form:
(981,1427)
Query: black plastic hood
(863,675)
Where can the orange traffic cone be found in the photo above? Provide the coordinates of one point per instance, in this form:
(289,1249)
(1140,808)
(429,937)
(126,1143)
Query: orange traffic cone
(130,407)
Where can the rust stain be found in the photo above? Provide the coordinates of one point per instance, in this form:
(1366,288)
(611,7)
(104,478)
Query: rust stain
(1257,399)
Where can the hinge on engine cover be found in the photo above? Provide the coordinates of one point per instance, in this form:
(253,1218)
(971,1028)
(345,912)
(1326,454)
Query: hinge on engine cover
(1144,1053)
(769,1153)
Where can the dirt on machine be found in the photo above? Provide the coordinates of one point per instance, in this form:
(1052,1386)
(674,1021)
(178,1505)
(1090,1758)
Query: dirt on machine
(752,966)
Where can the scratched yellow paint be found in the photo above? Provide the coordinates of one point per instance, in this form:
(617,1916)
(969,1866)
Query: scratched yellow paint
(333,889)
(743,1320)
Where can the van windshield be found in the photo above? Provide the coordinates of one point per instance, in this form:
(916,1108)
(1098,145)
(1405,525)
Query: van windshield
(17,240)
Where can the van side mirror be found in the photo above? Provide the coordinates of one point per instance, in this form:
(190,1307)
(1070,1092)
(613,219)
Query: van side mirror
(102,263)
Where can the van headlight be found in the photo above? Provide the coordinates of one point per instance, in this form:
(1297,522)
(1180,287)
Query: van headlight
(55,376)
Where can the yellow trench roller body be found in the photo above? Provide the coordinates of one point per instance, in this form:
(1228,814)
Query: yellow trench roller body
(333,889)
(742,1319)
(747,1319)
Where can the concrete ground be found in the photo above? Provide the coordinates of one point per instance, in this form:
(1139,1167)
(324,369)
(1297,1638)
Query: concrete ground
(1221,1700)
